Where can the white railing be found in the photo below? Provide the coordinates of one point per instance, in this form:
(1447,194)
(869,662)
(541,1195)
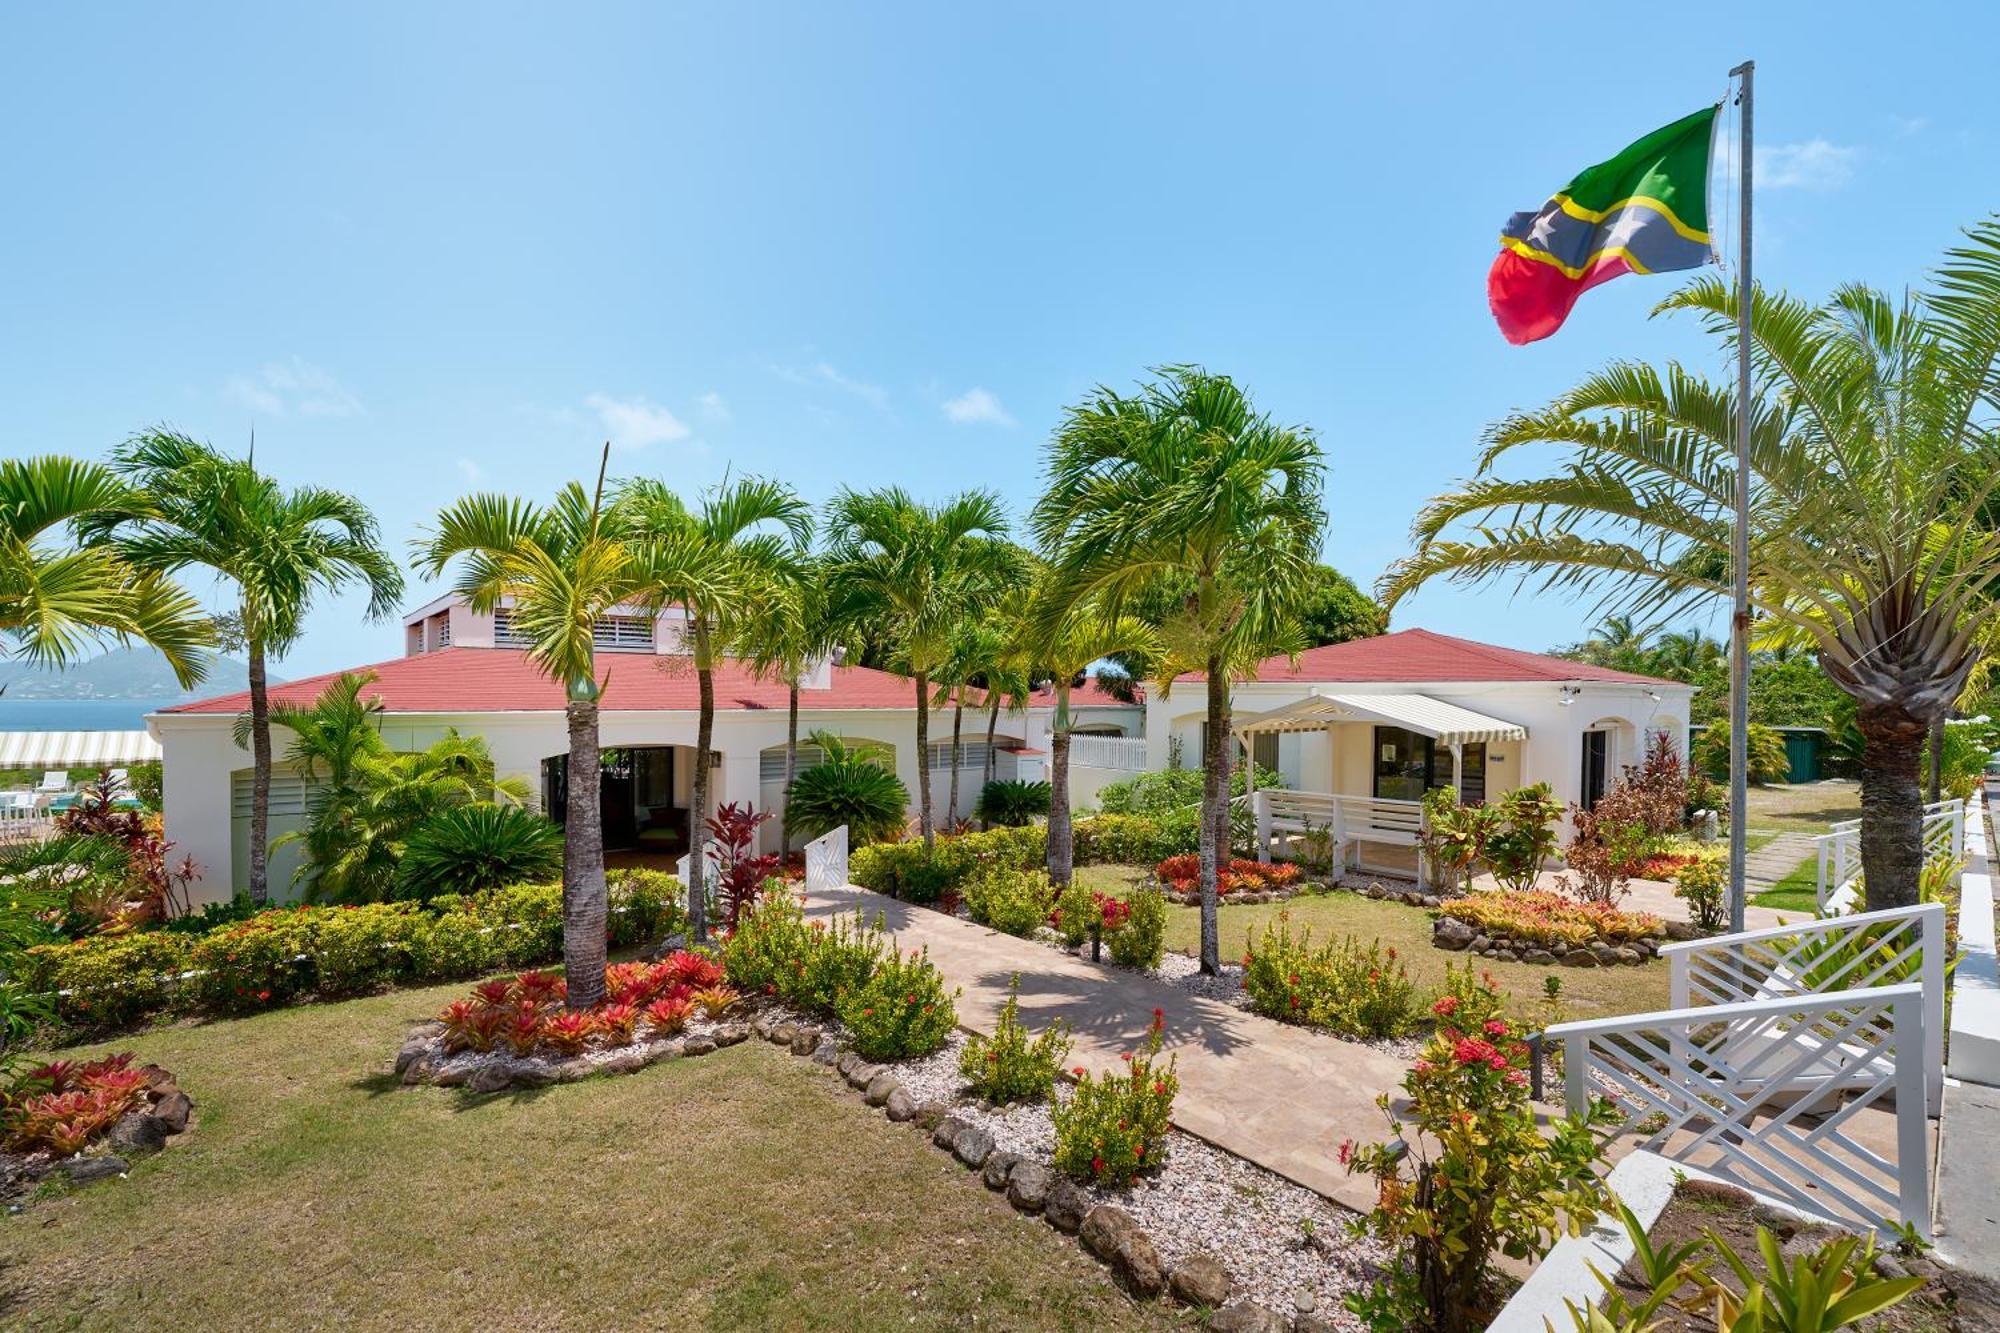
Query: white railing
(1839,851)
(1346,821)
(1864,951)
(23,823)
(826,861)
(1120,753)
(1766,1094)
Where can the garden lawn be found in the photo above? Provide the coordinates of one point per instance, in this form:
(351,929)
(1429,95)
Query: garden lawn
(1810,807)
(1798,891)
(1588,992)
(739,1190)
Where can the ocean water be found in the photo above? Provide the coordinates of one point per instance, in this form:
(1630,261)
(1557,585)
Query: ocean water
(77,714)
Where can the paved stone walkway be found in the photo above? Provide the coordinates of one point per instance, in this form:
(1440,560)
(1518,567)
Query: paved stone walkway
(1777,859)
(1280,1096)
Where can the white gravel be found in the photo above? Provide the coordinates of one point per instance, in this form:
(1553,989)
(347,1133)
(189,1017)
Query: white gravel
(1226,987)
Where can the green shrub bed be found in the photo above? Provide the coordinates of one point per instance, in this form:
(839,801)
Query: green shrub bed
(289,954)
(919,874)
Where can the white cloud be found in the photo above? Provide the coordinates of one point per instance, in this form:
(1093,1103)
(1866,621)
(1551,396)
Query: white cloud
(977,407)
(634,423)
(821,373)
(294,387)
(471,471)
(712,407)
(1909,125)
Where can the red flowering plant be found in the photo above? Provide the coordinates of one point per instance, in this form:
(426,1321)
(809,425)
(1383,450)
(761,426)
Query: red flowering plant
(63,1105)
(1540,917)
(1011,1066)
(902,1011)
(1343,985)
(1469,1174)
(742,872)
(668,1017)
(1115,1125)
(568,1031)
(1182,874)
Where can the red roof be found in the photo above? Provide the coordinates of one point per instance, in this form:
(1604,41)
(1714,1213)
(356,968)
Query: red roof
(502,680)
(1418,655)
(1090,694)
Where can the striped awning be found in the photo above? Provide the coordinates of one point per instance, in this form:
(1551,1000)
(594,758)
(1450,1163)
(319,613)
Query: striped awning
(1448,723)
(75,749)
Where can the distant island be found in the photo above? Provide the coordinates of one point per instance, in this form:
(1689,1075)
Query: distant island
(122,673)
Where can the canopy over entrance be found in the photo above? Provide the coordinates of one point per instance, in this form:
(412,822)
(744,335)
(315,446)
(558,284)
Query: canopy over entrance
(1448,723)
(75,749)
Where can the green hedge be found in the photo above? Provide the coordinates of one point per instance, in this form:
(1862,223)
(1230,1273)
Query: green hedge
(287,954)
(910,871)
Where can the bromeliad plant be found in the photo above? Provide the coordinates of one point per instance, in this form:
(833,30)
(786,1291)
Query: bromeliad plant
(1115,1125)
(1469,1175)
(1011,1066)
(1545,918)
(61,1106)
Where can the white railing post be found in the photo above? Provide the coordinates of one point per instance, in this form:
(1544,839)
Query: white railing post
(1819,884)
(1576,1074)
(1932,975)
(1913,1167)
(826,861)
(1260,810)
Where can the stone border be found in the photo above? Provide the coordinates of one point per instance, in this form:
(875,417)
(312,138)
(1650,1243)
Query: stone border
(1246,898)
(1106,1231)
(166,1114)
(1456,936)
(424,1060)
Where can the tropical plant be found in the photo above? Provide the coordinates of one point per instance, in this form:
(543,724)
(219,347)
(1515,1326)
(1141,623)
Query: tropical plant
(914,571)
(1011,803)
(559,569)
(1011,1066)
(277,548)
(1524,836)
(58,600)
(1114,1125)
(1184,482)
(733,549)
(742,872)
(1453,837)
(1599,854)
(1344,986)
(1764,748)
(902,1011)
(478,846)
(1703,884)
(1871,534)
(788,633)
(850,785)
(1832,1287)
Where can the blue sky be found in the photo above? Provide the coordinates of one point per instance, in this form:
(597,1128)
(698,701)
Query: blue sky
(423,249)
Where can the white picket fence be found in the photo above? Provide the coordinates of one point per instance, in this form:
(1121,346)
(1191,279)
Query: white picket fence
(1839,852)
(1779,1040)
(826,861)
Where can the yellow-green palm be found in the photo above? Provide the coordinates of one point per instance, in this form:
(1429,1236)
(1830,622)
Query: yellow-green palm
(1872,536)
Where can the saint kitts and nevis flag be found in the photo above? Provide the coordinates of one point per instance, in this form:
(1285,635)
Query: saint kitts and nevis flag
(1643,211)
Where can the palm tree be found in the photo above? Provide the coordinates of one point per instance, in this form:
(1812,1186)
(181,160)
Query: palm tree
(789,633)
(54,603)
(915,570)
(726,558)
(560,569)
(1066,636)
(279,548)
(1185,480)
(1873,472)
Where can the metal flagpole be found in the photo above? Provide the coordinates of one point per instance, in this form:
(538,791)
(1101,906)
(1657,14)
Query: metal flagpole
(1739,625)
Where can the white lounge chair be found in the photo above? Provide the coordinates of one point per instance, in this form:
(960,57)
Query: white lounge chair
(121,781)
(54,781)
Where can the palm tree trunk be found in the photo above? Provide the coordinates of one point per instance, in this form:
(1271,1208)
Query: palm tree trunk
(1214,792)
(791,765)
(957,723)
(992,723)
(1225,823)
(1937,761)
(924,759)
(1892,849)
(697,889)
(584,903)
(1062,835)
(260,776)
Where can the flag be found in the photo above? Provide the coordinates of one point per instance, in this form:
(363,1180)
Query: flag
(1644,211)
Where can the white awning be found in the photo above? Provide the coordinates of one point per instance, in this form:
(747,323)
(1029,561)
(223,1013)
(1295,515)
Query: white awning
(1447,722)
(75,749)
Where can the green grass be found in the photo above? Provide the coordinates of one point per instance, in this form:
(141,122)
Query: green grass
(1812,807)
(1588,992)
(1798,891)
(742,1190)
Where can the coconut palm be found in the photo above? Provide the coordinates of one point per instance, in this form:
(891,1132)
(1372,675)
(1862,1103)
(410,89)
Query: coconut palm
(916,571)
(1872,454)
(1185,480)
(789,632)
(1065,635)
(560,568)
(978,644)
(57,600)
(278,548)
(731,551)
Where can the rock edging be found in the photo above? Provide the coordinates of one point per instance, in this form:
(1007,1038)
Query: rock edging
(424,1060)
(1450,933)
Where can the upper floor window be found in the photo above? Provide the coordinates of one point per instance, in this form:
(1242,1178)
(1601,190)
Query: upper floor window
(630,633)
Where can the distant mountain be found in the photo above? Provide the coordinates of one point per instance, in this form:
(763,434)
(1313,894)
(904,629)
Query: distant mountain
(122,673)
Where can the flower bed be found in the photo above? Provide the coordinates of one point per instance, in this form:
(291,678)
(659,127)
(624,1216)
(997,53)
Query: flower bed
(916,873)
(52,1118)
(289,954)
(517,1032)
(1240,880)
(1542,927)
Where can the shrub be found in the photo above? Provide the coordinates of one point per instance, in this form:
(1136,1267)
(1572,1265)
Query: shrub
(848,786)
(1524,835)
(1013,902)
(1601,851)
(1182,874)
(651,902)
(1469,998)
(1702,884)
(1343,986)
(1115,1125)
(357,949)
(1469,1175)
(1170,790)
(147,779)
(109,980)
(1765,750)
(447,945)
(1012,803)
(1076,912)
(1141,939)
(775,951)
(1011,1066)
(479,846)
(743,872)
(1546,918)
(901,1011)
(527,921)
(254,964)
(1129,839)
(910,870)
(1454,837)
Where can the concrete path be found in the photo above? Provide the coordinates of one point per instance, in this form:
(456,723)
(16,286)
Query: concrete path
(1280,1096)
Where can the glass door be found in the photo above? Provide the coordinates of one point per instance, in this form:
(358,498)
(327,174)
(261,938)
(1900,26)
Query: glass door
(1405,764)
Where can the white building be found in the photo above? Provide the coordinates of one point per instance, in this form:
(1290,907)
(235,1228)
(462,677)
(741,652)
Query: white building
(464,670)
